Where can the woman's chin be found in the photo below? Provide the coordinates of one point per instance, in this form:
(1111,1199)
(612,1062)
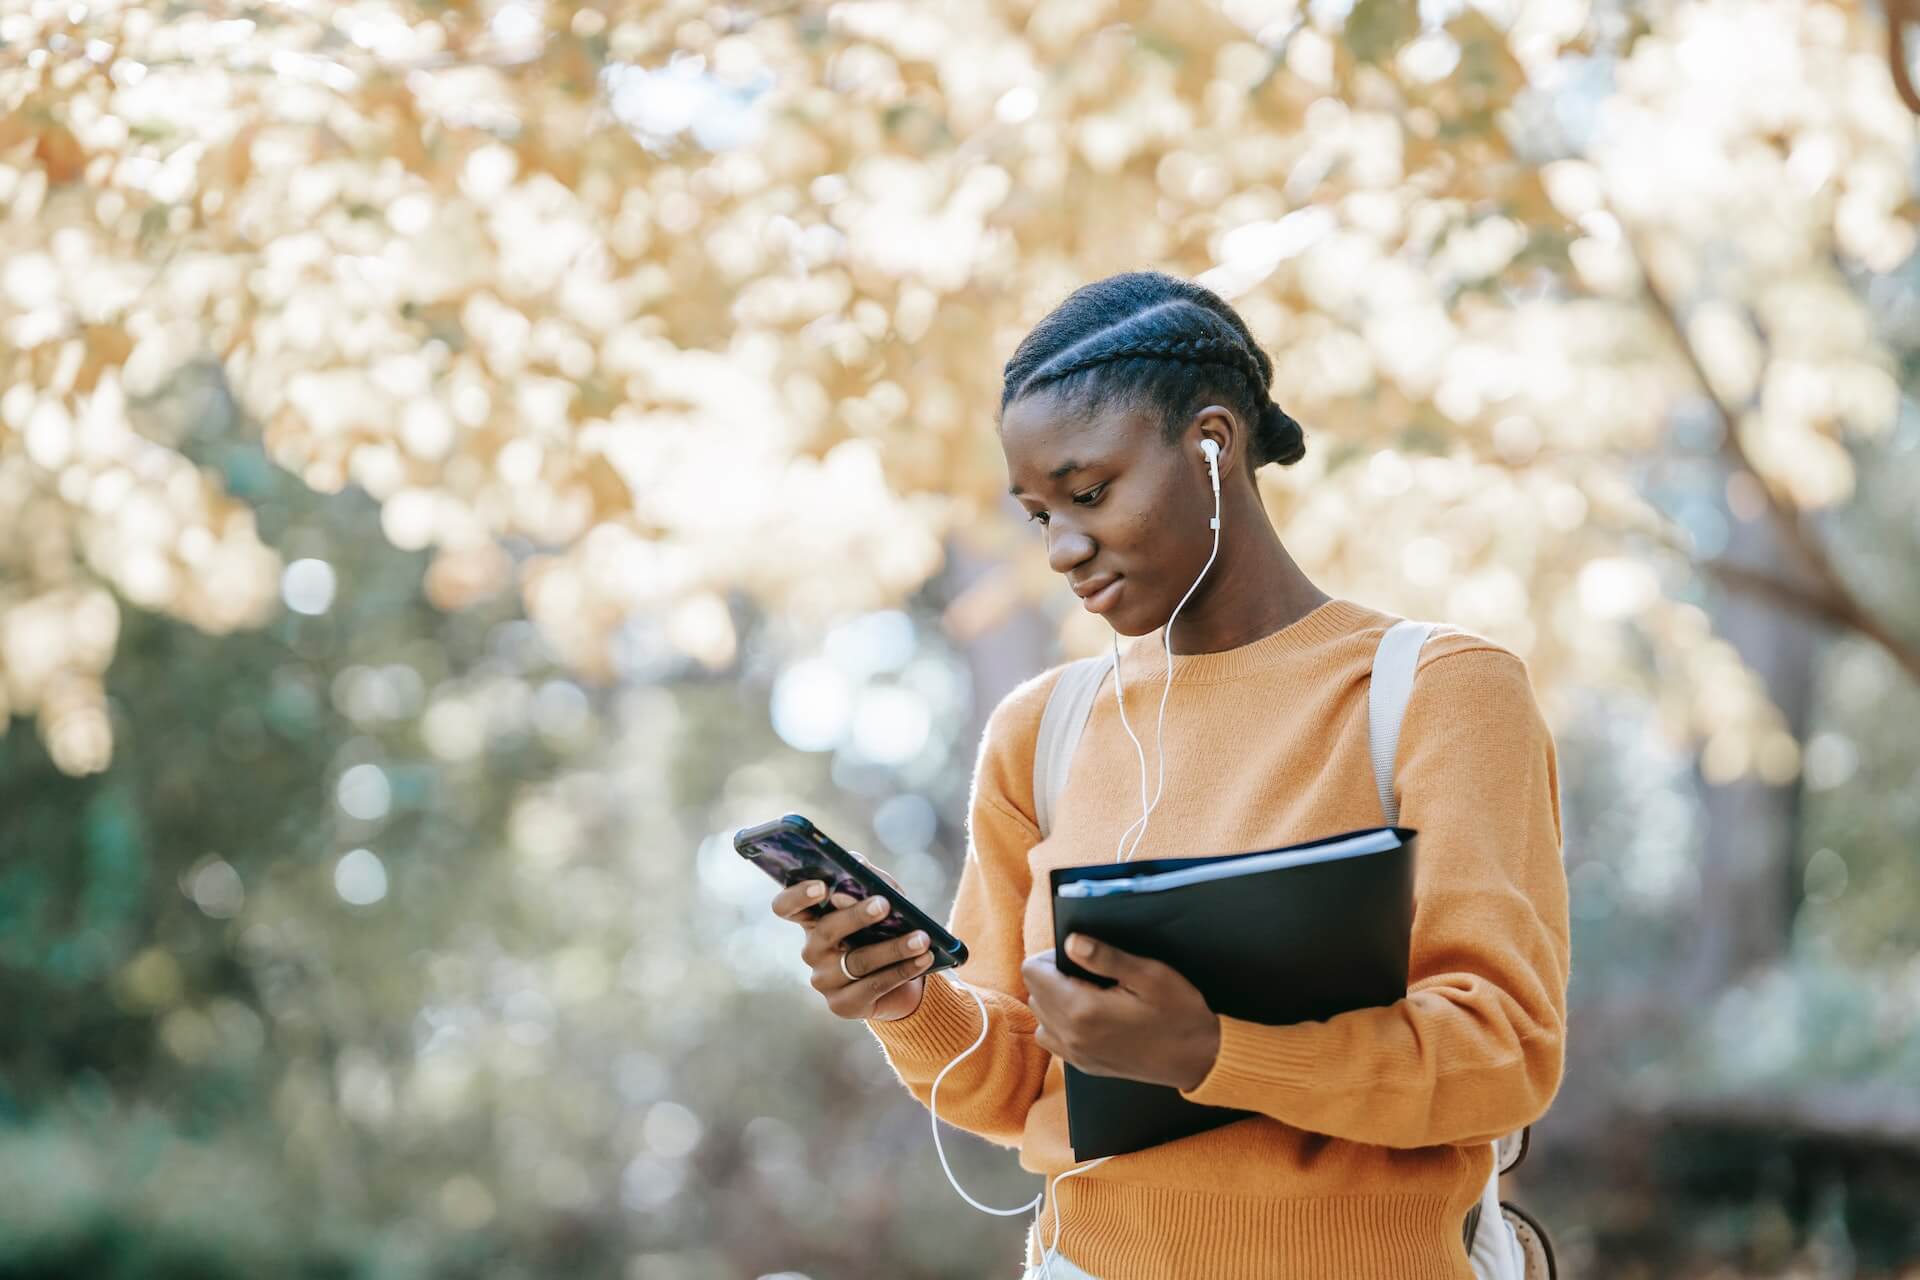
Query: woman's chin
(1124,623)
(1122,611)
(1118,620)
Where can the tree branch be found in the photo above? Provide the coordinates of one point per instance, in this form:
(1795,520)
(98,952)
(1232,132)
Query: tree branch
(1899,14)
(1833,600)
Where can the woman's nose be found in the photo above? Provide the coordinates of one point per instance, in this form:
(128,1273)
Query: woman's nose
(1066,549)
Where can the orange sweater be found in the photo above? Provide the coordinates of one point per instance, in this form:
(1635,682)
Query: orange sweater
(1371,1141)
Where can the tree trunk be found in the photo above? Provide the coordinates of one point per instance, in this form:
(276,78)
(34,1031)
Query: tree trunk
(1748,879)
(1022,644)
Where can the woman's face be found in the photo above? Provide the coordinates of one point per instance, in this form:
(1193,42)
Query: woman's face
(1132,510)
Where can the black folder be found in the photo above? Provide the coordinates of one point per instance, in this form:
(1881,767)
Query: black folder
(1325,931)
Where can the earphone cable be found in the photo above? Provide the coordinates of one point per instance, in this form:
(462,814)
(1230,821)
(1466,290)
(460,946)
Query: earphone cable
(1038,1203)
(1160,735)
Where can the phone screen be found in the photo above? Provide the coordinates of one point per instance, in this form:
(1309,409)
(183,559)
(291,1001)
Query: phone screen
(791,849)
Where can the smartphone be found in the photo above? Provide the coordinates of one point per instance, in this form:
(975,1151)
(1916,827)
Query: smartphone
(792,849)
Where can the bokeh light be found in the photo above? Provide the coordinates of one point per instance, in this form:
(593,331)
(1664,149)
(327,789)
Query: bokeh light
(360,878)
(307,586)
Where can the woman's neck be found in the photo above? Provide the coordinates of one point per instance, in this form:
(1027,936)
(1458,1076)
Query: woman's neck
(1255,593)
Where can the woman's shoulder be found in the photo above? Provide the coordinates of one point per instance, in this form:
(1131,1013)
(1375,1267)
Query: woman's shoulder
(1443,638)
(1445,647)
(1456,661)
(1471,676)
(1003,770)
(1016,718)
(1449,641)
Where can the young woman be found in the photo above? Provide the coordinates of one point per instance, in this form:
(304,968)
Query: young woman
(1370,1138)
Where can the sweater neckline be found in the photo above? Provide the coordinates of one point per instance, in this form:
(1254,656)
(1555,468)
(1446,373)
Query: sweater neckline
(1143,660)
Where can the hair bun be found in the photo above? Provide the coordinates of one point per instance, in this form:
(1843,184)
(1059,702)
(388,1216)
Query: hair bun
(1280,438)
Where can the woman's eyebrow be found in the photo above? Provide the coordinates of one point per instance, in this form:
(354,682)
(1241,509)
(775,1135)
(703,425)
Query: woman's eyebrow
(1066,468)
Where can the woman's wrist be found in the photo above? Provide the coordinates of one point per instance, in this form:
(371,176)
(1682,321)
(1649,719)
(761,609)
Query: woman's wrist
(919,985)
(1206,1052)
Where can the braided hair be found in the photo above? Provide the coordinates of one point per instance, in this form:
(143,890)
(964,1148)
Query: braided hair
(1147,339)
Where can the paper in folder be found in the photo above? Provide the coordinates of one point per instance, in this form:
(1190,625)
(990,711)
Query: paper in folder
(1277,936)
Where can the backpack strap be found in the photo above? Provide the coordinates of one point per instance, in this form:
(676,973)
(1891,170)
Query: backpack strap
(1387,694)
(1069,703)
(1509,1151)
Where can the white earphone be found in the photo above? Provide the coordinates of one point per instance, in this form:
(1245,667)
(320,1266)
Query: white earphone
(1211,448)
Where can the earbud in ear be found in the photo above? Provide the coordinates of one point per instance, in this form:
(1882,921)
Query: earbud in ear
(1212,449)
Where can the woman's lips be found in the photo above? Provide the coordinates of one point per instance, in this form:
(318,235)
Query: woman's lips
(1102,600)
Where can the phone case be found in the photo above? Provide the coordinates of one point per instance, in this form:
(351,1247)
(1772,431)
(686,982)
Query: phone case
(791,849)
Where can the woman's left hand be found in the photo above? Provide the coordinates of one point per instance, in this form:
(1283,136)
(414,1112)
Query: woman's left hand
(1154,1026)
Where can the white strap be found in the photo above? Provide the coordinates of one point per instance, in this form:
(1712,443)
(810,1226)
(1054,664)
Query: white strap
(1387,694)
(1069,703)
(1497,1253)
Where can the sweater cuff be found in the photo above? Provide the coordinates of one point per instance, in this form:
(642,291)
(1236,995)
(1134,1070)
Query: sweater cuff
(1256,1062)
(944,1025)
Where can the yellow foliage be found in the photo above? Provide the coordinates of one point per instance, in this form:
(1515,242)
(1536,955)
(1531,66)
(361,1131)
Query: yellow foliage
(701,299)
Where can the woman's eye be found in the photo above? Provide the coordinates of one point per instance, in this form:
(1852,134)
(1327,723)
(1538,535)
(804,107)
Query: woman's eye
(1093,493)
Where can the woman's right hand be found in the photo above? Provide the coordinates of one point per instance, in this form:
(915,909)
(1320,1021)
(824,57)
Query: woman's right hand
(887,981)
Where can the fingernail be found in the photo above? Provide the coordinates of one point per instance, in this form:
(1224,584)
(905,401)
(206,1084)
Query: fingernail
(815,888)
(921,961)
(876,906)
(916,941)
(1080,946)
(842,900)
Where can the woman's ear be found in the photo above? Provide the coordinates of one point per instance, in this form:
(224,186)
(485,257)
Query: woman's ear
(1216,423)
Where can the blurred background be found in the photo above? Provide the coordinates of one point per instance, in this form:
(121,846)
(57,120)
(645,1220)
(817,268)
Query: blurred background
(460,462)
